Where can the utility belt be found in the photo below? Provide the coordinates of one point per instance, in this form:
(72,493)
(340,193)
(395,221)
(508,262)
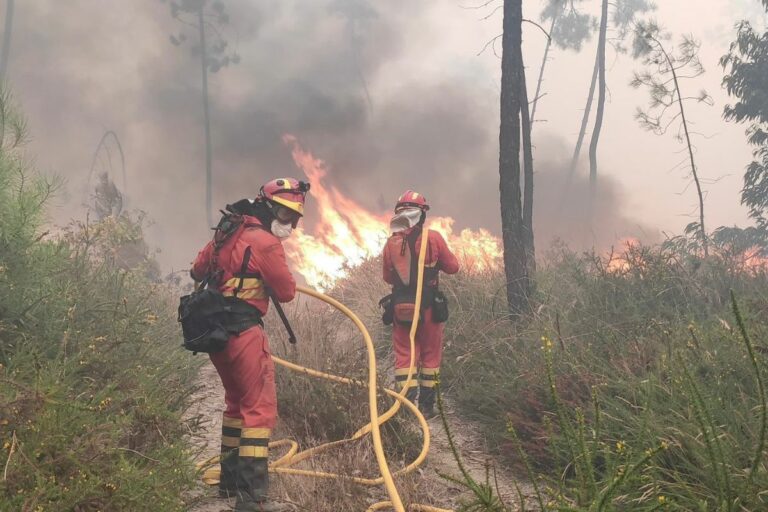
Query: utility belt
(208,319)
(400,305)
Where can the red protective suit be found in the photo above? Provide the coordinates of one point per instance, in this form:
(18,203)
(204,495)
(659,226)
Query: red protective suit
(429,335)
(245,366)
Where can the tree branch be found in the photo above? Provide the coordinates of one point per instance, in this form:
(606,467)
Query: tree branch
(540,28)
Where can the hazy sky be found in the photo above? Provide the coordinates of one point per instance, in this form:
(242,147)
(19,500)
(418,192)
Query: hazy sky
(81,67)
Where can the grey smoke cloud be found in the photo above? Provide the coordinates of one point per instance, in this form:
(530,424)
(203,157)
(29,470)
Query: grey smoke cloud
(317,69)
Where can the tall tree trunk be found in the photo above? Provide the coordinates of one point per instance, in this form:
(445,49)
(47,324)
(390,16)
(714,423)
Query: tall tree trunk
(513,232)
(600,105)
(6,51)
(694,170)
(541,70)
(584,121)
(207,122)
(530,250)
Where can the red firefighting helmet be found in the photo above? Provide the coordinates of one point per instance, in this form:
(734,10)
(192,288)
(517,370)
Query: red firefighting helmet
(411,199)
(288,192)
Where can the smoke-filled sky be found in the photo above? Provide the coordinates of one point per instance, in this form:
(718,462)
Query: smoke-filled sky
(392,94)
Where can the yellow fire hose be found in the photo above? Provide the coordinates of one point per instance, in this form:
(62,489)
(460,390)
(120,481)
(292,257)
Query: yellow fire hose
(293,456)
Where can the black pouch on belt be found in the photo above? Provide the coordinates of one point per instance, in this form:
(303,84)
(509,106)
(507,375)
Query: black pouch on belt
(208,319)
(388,310)
(439,307)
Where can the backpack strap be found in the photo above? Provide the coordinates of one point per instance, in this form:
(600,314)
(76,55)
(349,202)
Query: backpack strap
(244,274)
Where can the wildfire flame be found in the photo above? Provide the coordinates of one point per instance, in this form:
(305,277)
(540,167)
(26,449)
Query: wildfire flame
(752,260)
(346,234)
(620,262)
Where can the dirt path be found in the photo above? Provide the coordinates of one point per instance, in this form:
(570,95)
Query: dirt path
(207,405)
(425,483)
(476,459)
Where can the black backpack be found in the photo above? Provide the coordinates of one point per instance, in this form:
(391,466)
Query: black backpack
(208,318)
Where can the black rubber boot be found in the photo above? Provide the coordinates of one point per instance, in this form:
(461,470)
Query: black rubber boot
(427,402)
(253,487)
(411,394)
(230,441)
(228,477)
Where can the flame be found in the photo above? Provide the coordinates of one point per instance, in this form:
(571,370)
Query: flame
(752,260)
(346,234)
(619,263)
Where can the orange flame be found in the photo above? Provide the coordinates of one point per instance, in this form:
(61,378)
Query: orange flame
(347,234)
(620,262)
(753,261)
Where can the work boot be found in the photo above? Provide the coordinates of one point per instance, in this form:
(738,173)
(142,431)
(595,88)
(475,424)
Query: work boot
(228,476)
(253,486)
(230,441)
(411,394)
(252,478)
(427,401)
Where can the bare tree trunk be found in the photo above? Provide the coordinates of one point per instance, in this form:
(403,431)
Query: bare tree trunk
(513,233)
(694,170)
(6,52)
(600,104)
(527,172)
(541,70)
(584,121)
(207,122)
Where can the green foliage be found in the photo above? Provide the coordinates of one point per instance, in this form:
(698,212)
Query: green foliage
(746,73)
(660,79)
(647,397)
(92,384)
(571,27)
(214,16)
(626,12)
(645,392)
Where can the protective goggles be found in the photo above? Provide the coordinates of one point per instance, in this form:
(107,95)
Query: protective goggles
(285,215)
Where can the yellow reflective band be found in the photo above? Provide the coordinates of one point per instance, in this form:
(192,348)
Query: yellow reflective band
(226,421)
(412,384)
(253,451)
(430,371)
(230,442)
(247,283)
(427,383)
(293,205)
(255,433)
(404,371)
(252,294)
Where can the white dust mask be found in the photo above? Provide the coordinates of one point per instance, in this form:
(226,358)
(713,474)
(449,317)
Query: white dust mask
(405,219)
(280,230)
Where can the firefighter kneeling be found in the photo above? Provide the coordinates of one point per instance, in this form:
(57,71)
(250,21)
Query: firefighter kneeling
(401,255)
(243,265)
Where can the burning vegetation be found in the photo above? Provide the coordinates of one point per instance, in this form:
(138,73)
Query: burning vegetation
(345,234)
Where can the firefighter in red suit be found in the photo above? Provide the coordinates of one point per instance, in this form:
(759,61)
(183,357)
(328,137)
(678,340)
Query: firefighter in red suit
(401,255)
(251,265)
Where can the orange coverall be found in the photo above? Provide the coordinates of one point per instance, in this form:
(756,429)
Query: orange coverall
(429,335)
(245,366)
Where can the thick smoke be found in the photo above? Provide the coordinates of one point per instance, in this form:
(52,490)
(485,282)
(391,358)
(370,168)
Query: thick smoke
(316,69)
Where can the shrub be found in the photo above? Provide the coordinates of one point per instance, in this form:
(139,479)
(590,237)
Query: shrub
(92,385)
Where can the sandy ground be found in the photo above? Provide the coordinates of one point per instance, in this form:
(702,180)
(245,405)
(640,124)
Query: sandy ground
(425,484)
